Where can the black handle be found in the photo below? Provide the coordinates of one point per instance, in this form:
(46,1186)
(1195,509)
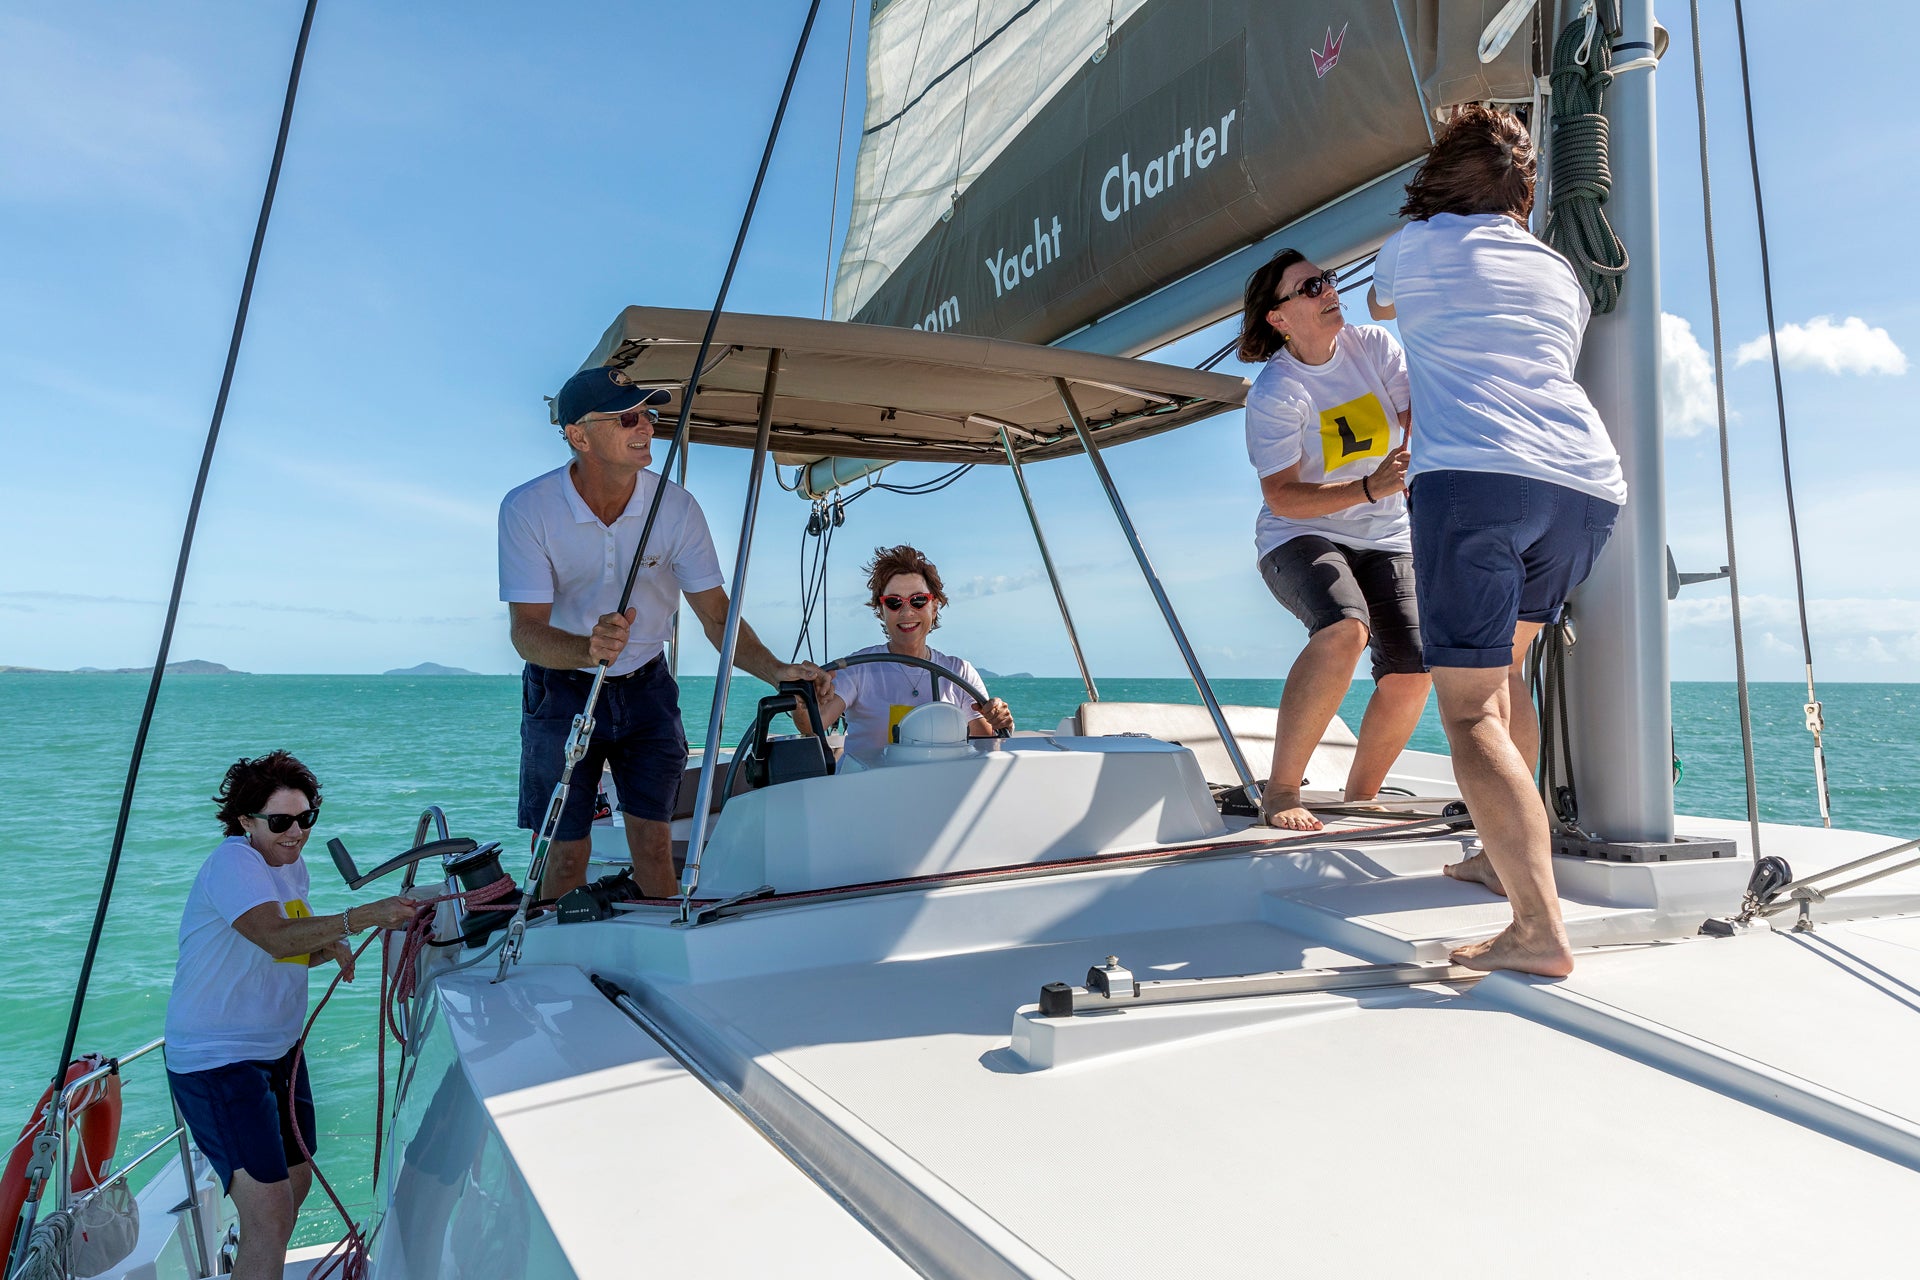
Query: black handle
(356,879)
(802,690)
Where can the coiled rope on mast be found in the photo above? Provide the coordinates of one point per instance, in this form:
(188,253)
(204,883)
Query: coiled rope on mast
(1579,177)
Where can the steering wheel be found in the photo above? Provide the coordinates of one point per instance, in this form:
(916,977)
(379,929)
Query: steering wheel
(941,673)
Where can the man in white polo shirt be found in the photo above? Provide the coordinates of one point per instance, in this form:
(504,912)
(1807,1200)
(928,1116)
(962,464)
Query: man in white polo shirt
(566,542)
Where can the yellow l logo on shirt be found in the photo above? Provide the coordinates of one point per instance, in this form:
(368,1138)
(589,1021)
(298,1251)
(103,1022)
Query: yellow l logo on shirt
(1352,431)
(296,909)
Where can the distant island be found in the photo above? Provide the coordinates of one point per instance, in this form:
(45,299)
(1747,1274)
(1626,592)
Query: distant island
(430,669)
(1003,675)
(191,667)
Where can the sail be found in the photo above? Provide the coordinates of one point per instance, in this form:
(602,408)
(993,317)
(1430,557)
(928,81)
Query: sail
(1010,184)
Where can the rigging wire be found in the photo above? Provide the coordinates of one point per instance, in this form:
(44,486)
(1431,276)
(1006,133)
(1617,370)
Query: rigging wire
(966,104)
(886,171)
(1816,719)
(828,515)
(180,567)
(839,158)
(1726,463)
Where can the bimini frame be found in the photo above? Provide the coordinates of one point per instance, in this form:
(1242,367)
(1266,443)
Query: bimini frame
(801,390)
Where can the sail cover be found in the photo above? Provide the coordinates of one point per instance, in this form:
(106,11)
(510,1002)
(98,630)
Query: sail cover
(1011,185)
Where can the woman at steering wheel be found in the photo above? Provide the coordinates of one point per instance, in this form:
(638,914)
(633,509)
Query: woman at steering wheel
(903,589)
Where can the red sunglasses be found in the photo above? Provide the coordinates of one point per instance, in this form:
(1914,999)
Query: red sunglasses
(918,600)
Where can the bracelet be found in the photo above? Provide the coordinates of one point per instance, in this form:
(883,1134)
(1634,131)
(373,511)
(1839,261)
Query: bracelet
(1364,489)
(346,925)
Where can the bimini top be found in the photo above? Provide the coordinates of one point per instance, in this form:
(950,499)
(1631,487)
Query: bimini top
(869,391)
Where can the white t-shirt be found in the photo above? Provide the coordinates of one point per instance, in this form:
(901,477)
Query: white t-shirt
(877,694)
(231,1001)
(554,550)
(1337,420)
(1493,320)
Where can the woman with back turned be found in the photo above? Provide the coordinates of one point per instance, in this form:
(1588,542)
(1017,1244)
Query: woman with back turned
(239,998)
(1515,487)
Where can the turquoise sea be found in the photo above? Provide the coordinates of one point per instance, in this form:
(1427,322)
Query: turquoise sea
(385,747)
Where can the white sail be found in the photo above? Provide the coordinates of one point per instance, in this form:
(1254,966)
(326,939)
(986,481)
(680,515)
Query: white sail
(948,87)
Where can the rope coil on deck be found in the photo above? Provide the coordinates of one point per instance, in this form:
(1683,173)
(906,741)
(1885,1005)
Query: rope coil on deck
(1580,179)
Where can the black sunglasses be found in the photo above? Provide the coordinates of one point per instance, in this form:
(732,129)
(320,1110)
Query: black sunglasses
(1311,287)
(918,600)
(279,822)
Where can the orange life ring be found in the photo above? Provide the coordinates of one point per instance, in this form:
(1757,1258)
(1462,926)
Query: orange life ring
(96,1114)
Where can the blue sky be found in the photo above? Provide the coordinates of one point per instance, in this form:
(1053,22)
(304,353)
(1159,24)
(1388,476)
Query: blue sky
(471,194)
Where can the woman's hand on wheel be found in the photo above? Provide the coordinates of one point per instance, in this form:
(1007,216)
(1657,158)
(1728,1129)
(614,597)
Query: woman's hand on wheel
(997,714)
(1391,475)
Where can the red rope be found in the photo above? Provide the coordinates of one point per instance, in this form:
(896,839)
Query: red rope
(352,1252)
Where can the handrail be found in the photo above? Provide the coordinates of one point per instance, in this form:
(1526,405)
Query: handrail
(57,1114)
(1801,894)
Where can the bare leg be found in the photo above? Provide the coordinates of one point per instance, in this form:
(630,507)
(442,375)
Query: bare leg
(1523,726)
(1498,789)
(301,1178)
(267,1211)
(1319,679)
(1523,721)
(566,866)
(1393,712)
(651,845)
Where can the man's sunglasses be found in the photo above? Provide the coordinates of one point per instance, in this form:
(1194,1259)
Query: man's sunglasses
(918,600)
(279,822)
(1311,287)
(631,418)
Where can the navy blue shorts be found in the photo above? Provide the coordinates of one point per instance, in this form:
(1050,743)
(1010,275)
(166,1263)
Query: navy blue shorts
(1491,551)
(636,729)
(238,1116)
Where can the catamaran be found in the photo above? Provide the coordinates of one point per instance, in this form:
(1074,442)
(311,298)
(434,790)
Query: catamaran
(1054,1004)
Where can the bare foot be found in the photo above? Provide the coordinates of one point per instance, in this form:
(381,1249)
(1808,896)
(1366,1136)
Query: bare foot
(1477,869)
(1543,953)
(1282,808)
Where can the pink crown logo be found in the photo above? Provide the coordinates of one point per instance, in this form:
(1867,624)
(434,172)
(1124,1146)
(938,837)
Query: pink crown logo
(1325,60)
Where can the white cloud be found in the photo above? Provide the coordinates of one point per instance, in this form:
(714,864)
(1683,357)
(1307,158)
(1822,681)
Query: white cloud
(978,587)
(1880,632)
(1686,380)
(1848,347)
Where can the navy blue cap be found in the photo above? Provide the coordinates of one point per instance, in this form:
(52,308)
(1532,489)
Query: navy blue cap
(598,391)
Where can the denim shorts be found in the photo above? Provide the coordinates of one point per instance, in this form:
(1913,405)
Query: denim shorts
(238,1115)
(1491,551)
(636,730)
(1320,581)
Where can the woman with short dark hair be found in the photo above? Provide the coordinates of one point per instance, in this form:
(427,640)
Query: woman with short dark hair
(1327,435)
(905,593)
(1515,488)
(247,939)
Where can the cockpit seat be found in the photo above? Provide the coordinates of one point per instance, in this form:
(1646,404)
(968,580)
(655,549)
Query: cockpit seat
(1190,726)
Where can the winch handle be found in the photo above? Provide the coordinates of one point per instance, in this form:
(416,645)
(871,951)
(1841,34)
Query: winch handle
(456,847)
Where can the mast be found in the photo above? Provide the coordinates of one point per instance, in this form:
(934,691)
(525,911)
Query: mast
(1618,698)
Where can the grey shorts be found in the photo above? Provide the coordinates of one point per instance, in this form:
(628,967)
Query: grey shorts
(1321,581)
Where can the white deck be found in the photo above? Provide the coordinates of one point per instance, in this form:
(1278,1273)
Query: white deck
(1678,1105)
